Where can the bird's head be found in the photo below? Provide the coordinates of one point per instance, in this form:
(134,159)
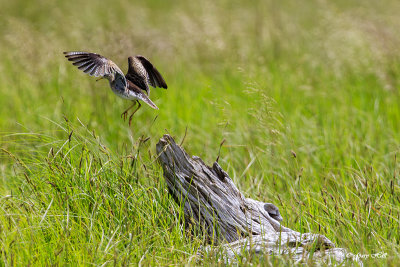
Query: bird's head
(109,77)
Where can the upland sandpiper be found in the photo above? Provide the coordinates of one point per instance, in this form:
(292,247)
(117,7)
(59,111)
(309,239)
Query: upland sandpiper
(133,86)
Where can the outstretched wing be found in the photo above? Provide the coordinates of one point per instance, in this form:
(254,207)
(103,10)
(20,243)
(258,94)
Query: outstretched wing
(95,64)
(139,65)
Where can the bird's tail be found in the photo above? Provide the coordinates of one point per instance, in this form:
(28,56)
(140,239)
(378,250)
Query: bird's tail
(147,100)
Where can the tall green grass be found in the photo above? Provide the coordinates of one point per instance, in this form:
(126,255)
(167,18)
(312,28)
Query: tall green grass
(305,96)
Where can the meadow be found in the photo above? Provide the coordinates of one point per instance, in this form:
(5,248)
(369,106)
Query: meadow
(306,98)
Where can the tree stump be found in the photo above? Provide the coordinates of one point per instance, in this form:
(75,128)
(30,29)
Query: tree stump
(231,221)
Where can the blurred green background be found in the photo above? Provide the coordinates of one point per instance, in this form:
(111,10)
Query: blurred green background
(317,79)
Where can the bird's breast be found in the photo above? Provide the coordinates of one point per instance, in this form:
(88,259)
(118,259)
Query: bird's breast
(122,91)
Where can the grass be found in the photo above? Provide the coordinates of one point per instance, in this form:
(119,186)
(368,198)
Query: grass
(317,80)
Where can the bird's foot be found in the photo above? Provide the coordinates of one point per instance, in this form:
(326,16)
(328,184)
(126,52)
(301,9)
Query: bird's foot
(124,115)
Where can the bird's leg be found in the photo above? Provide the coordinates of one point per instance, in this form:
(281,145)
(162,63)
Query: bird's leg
(124,115)
(130,118)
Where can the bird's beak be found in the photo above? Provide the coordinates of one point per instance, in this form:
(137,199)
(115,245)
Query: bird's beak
(99,79)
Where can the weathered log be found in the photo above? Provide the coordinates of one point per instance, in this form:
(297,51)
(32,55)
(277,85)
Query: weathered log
(235,223)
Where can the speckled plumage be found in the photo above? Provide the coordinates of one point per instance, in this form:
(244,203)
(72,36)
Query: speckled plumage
(143,73)
(133,86)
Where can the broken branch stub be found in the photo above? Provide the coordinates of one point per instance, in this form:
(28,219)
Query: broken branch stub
(212,202)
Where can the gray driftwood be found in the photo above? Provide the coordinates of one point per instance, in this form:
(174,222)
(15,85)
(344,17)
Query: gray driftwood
(233,222)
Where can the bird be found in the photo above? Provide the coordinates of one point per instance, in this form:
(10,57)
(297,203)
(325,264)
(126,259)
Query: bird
(132,86)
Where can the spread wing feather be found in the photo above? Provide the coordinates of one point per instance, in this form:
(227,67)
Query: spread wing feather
(94,64)
(142,73)
(154,77)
